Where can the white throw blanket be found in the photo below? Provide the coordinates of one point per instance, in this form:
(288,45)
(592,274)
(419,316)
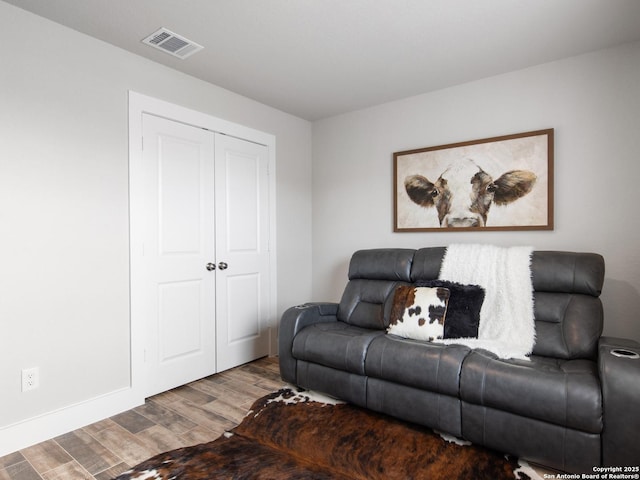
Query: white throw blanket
(507,326)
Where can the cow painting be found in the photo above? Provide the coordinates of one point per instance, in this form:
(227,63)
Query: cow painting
(499,183)
(463,194)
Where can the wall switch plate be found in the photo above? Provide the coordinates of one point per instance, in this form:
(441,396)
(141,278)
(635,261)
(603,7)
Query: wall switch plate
(30,379)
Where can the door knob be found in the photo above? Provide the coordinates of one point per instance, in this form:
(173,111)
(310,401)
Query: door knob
(211,266)
(223,266)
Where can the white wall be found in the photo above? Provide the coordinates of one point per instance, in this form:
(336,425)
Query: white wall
(64,256)
(592,101)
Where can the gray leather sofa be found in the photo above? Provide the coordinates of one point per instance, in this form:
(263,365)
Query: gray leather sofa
(575,405)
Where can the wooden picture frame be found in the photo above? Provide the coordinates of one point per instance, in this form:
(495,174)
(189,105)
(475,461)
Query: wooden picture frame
(498,183)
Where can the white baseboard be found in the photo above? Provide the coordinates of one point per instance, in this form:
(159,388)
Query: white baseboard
(43,427)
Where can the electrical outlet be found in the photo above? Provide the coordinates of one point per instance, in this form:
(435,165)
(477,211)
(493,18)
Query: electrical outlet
(30,379)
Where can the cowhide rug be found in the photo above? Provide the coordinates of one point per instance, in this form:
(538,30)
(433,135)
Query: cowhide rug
(296,435)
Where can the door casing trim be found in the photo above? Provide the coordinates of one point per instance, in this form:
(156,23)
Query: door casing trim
(139,104)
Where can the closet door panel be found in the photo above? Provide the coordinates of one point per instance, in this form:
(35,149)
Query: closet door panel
(179,292)
(242,250)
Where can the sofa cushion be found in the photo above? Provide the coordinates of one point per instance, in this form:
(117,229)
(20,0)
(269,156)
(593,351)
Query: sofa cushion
(569,315)
(463,308)
(373,276)
(417,364)
(367,303)
(563,392)
(427,263)
(570,272)
(419,312)
(335,344)
(382,264)
(568,325)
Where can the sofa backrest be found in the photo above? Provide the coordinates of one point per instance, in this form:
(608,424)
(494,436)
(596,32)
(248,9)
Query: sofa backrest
(567,308)
(373,277)
(567,285)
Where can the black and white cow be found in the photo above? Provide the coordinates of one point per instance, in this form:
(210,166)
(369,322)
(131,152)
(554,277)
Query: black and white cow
(464,192)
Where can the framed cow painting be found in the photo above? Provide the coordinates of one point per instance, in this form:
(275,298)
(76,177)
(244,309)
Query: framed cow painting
(499,183)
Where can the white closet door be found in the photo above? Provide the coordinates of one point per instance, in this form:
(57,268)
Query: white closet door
(242,251)
(179,291)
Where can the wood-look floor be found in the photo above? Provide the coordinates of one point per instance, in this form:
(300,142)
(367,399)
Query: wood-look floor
(195,413)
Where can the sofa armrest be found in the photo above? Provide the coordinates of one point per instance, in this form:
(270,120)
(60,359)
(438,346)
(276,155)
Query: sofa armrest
(619,368)
(293,320)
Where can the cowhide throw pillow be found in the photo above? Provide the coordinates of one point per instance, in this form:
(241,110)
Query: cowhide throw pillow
(419,312)
(463,309)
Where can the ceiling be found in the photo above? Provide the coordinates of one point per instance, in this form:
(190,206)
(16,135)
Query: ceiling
(319,58)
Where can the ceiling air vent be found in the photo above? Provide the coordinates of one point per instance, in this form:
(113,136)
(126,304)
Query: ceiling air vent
(171,43)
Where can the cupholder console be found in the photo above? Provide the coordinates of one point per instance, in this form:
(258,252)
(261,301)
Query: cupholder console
(624,353)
